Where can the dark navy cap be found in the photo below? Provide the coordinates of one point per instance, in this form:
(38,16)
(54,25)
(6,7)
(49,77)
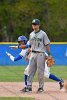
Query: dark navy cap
(36,21)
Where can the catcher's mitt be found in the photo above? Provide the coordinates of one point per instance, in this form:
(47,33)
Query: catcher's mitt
(50,61)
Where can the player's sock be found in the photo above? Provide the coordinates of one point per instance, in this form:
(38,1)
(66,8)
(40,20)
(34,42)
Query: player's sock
(17,58)
(53,77)
(25,78)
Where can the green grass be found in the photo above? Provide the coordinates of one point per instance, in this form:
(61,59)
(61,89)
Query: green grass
(15,98)
(16,74)
(60,71)
(11,73)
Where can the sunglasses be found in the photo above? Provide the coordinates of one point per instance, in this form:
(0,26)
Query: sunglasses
(20,41)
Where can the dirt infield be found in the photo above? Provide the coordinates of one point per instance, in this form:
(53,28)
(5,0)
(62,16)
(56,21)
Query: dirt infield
(51,91)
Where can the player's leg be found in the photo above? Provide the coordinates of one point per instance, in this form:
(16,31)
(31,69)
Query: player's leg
(40,69)
(49,75)
(26,74)
(18,57)
(52,76)
(61,82)
(46,71)
(32,70)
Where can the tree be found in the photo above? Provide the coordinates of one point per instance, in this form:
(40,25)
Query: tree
(17,15)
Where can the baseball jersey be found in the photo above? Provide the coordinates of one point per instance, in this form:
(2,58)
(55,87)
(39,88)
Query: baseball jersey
(38,41)
(24,52)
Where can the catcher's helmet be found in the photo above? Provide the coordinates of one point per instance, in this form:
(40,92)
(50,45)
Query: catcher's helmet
(22,38)
(36,21)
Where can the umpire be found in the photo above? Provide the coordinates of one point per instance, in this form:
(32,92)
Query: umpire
(39,41)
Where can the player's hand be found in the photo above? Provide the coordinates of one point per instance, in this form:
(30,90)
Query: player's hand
(8,54)
(13,47)
(29,50)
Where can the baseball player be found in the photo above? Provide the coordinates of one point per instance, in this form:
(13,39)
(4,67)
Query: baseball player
(21,40)
(39,42)
(23,54)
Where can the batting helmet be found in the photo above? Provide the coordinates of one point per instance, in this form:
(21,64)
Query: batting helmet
(22,38)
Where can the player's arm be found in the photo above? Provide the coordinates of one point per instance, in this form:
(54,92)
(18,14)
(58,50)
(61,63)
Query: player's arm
(18,57)
(24,46)
(19,46)
(14,47)
(46,55)
(47,43)
(48,49)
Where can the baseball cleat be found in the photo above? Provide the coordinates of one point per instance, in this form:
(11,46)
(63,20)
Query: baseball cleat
(61,85)
(40,90)
(8,54)
(26,89)
(63,90)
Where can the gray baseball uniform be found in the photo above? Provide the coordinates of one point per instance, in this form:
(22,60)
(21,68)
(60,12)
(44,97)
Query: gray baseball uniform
(37,60)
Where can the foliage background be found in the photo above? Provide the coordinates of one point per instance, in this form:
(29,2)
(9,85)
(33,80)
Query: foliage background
(16,17)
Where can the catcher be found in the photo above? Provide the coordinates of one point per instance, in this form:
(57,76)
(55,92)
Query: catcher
(47,65)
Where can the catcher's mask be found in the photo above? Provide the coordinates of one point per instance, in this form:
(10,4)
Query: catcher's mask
(22,38)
